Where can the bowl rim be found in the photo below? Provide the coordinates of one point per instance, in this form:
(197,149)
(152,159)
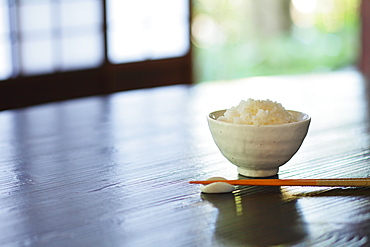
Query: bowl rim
(306,118)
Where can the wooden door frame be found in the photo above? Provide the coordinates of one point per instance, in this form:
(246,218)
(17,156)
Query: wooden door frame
(24,91)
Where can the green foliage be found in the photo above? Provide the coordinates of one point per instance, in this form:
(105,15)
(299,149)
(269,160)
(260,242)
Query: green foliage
(235,47)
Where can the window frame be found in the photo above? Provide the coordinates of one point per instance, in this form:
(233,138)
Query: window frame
(108,78)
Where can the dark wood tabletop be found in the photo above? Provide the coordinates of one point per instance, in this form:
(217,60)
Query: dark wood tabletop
(113,170)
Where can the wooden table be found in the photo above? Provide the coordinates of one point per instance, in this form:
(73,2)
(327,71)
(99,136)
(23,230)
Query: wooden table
(113,170)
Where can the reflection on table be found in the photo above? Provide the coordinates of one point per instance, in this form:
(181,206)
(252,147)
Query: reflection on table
(113,170)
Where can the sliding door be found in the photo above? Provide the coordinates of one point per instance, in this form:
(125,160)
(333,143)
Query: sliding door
(58,49)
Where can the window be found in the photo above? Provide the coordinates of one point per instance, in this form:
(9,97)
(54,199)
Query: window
(130,27)
(74,48)
(5,42)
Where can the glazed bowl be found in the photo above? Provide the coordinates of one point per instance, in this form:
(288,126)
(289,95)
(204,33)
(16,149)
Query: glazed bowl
(258,150)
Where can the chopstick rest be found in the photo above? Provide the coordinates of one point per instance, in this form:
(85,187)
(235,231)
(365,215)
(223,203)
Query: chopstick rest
(330,182)
(217,187)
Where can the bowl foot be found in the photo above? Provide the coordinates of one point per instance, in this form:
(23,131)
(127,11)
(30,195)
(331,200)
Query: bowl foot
(257,173)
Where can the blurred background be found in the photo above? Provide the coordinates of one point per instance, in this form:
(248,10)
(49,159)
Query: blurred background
(230,38)
(53,50)
(243,38)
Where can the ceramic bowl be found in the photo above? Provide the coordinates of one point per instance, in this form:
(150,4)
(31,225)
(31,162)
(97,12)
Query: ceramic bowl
(259,150)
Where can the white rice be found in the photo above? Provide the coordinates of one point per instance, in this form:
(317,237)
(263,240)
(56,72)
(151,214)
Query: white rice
(257,112)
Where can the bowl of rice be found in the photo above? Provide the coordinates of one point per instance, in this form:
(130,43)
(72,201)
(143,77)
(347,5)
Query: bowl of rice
(258,136)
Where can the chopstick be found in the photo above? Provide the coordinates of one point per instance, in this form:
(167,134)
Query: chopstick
(330,182)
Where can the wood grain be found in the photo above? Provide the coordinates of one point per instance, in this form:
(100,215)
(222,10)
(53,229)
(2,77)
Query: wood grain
(114,170)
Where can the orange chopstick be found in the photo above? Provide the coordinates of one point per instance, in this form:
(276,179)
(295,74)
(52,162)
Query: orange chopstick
(331,182)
